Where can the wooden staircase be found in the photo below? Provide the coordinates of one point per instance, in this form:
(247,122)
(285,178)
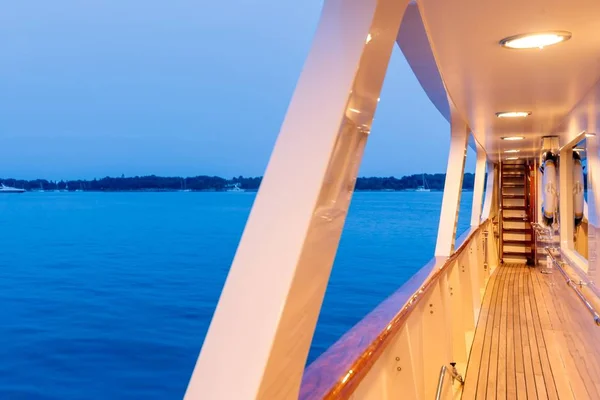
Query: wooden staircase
(516,233)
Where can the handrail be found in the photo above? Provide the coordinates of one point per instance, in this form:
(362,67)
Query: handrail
(453,373)
(348,380)
(500,231)
(570,283)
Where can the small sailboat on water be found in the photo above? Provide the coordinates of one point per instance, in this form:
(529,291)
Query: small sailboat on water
(424,187)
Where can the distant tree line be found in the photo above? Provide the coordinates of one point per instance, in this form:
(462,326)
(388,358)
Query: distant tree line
(433,181)
(215,183)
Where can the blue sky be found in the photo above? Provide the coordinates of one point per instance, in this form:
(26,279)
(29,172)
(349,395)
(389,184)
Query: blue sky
(95,88)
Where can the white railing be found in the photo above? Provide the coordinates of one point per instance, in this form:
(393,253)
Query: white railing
(397,350)
(576,286)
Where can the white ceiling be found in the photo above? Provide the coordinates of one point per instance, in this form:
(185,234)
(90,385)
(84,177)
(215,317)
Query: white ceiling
(482,78)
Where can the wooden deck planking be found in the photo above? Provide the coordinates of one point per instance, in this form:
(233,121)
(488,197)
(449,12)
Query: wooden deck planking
(525,347)
(546,369)
(471,386)
(492,373)
(563,389)
(487,340)
(533,340)
(519,358)
(511,377)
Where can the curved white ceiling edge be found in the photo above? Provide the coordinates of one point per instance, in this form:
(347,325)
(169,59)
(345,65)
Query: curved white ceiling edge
(585,116)
(414,43)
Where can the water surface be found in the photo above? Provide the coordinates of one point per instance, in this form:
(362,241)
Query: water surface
(109,295)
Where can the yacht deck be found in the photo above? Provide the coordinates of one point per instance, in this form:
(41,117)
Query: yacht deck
(534,340)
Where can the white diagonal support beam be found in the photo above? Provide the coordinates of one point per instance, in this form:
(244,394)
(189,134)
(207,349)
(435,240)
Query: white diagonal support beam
(478,186)
(453,186)
(258,341)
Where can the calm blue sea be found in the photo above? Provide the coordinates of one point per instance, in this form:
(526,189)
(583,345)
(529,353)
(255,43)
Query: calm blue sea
(109,295)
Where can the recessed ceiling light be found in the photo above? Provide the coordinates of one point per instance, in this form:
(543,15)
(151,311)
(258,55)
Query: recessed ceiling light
(511,158)
(511,151)
(535,40)
(513,114)
(513,138)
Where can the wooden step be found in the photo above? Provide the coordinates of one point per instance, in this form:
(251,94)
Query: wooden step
(514,208)
(515,254)
(525,242)
(512,185)
(513,196)
(514,219)
(517,230)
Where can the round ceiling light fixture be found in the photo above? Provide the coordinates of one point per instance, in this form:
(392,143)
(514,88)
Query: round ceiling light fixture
(513,114)
(537,40)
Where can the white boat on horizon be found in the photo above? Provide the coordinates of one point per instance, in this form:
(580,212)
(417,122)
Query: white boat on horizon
(10,189)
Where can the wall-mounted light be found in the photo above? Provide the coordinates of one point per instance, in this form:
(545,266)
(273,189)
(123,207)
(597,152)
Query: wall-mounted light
(590,135)
(537,40)
(513,114)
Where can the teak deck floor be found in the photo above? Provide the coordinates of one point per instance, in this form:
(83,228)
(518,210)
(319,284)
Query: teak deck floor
(534,340)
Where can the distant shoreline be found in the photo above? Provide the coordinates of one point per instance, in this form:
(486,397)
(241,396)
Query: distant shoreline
(204,183)
(224,191)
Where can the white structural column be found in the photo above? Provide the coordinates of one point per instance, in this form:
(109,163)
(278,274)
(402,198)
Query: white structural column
(453,186)
(478,186)
(565,198)
(490,191)
(593,193)
(258,341)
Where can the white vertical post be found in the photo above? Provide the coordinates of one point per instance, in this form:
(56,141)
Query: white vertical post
(490,191)
(453,186)
(565,194)
(258,340)
(478,186)
(593,194)
(540,193)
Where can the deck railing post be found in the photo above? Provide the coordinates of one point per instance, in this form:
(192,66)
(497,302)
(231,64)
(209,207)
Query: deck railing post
(491,191)
(446,237)
(478,186)
(593,193)
(259,337)
(565,197)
